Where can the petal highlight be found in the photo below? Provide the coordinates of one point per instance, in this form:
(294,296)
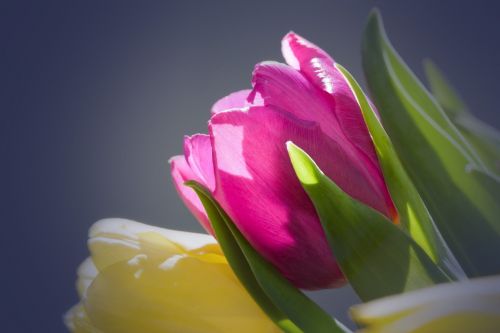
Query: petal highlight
(319,68)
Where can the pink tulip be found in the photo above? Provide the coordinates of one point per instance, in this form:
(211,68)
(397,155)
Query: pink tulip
(244,163)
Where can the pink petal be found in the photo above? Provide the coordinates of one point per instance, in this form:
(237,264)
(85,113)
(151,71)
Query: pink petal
(257,187)
(181,172)
(320,69)
(198,153)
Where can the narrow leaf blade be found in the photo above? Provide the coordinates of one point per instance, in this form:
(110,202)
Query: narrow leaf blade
(291,306)
(413,214)
(238,262)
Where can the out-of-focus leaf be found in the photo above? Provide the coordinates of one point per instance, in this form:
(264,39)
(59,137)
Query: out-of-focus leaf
(483,138)
(291,309)
(435,155)
(413,214)
(377,257)
(442,90)
(464,307)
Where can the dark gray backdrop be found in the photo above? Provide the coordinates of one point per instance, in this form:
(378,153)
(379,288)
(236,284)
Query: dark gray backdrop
(96,96)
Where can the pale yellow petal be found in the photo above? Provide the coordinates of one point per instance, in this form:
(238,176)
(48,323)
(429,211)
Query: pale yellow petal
(77,321)
(467,306)
(182,294)
(443,318)
(114,240)
(86,273)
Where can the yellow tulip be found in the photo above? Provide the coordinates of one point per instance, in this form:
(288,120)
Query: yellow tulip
(460,307)
(141,278)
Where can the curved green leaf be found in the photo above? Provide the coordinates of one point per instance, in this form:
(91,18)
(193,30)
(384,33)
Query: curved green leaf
(291,309)
(413,214)
(377,258)
(436,156)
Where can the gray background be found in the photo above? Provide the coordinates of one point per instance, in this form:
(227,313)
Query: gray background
(97,95)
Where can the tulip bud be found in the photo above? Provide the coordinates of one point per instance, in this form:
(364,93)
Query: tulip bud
(244,163)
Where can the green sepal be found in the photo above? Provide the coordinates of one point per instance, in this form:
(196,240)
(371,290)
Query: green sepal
(286,305)
(377,257)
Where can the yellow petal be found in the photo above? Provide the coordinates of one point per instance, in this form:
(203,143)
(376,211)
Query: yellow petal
(468,306)
(181,294)
(115,240)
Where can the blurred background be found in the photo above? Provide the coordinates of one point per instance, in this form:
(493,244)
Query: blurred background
(97,95)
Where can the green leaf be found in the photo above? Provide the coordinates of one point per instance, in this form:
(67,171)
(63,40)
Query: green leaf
(290,309)
(435,155)
(482,137)
(413,214)
(377,258)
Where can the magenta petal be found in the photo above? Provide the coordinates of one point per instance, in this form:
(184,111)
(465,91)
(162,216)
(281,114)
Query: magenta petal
(257,187)
(282,86)
(320,69)
(198,153)
(181,172)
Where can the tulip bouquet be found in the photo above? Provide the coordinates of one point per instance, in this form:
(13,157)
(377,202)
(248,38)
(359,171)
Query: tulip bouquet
(304,183)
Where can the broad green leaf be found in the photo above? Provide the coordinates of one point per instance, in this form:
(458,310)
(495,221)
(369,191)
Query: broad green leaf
(435,155)
(413,214)
(291,309)
(377,257)
(482,137)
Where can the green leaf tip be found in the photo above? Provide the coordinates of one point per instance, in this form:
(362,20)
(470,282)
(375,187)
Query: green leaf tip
(377,258)
(304,167)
